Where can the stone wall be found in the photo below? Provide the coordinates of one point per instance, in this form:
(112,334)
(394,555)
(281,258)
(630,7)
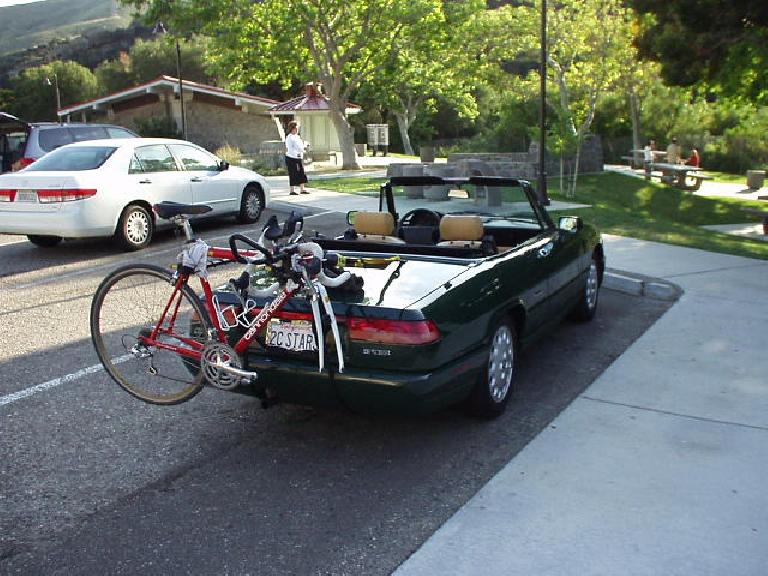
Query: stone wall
(213,126)
(208,125)
(519,165)
(128,117)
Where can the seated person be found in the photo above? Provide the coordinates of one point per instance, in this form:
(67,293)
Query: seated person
(673,152)
(695,159)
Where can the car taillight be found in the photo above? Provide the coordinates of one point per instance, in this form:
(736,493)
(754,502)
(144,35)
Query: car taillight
(64,195)
(392,331)
(24,162)
(7,195)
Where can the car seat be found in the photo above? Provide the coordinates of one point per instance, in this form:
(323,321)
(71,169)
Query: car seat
(376,227)
(465,232)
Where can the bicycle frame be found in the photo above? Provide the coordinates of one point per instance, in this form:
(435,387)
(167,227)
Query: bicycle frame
(265,315)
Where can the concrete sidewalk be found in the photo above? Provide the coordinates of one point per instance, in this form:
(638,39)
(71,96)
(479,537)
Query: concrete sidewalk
(659,467)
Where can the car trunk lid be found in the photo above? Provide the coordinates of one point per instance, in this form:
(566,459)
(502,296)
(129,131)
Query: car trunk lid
(39,191)
(372,322)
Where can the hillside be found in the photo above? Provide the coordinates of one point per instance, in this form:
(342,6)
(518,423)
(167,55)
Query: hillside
(25,25)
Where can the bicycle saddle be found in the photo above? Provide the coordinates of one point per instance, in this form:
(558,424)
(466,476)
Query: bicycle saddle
(168,209)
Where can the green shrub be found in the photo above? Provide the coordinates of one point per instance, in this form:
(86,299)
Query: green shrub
(156,127)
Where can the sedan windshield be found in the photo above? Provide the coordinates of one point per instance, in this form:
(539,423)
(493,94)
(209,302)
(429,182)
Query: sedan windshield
(72,159)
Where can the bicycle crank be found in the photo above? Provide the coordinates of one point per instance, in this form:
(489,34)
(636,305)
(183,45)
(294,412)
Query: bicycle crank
(222,367)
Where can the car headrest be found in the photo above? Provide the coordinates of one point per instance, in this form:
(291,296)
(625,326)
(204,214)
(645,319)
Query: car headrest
(375,223)
(468,228)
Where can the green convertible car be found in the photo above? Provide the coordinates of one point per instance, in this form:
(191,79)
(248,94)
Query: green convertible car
(455,290)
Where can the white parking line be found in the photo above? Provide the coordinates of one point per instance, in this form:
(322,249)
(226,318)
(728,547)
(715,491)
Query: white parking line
(12,243)
(27,392)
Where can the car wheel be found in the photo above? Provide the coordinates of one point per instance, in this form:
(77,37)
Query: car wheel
(45,241)
(134,231)
(251,204)
(586,307)
(495,385)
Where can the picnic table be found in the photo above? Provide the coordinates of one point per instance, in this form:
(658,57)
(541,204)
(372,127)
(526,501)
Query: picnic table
(679,175)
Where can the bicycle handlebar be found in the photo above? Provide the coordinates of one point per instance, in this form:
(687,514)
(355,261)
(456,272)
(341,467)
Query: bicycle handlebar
(252,243)
(317,257)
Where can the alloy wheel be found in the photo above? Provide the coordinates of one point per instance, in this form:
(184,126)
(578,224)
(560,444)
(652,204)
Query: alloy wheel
(137,227)
(590,292)
(500,364)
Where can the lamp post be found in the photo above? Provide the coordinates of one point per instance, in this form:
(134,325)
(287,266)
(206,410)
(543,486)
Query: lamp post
(160,29)
(543,108)
(55,85)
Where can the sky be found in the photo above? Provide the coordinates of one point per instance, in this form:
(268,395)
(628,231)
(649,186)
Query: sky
(12,2)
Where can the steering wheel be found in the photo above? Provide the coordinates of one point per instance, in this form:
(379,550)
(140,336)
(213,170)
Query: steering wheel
(421,217)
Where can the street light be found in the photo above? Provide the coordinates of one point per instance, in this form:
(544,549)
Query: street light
(161,29)
(55,84)
(542,192)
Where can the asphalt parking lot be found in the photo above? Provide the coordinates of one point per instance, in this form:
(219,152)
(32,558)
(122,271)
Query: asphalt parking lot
(93,481)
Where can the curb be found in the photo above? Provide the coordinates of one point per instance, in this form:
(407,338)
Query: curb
(638,285)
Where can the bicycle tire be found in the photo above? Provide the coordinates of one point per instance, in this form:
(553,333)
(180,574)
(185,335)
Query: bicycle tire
(128,304)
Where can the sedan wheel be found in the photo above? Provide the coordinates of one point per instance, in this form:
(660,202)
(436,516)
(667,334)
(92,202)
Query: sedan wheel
(587,305)
(492,391)
(135,228)
(251,205)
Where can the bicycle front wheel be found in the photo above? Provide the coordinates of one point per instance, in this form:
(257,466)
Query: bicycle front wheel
(148,335)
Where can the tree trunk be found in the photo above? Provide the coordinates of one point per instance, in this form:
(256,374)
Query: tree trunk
(634,114)
(404,125)
(572,190)
(346,138)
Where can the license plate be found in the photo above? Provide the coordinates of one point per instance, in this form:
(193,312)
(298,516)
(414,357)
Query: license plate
(296,335)
(26,196)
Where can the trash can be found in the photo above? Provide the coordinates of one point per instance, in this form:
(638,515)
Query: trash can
(755,179)
(427,153)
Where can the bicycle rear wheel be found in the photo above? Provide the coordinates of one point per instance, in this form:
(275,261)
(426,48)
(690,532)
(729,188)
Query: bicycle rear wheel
(135,312)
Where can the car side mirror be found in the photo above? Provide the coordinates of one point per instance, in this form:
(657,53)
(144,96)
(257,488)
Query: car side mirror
(570,223)
(351,217)
(223,165)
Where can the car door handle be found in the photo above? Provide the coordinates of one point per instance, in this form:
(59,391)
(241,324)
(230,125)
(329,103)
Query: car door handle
(195,179)
(145,181)
(545,250)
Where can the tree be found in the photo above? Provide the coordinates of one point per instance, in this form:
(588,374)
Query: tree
(428,64)
(586,39)
(35,89)
(114,75)
(341,43)
(719,43)
(152,58)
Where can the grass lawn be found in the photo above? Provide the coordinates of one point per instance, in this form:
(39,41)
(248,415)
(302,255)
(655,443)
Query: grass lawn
(628,206)
(727,177)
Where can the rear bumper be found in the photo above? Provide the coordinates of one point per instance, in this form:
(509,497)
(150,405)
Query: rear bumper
(57,220)
(299,382)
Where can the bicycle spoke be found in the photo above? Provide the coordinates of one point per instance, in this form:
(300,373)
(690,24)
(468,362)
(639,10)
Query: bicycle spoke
(142,330)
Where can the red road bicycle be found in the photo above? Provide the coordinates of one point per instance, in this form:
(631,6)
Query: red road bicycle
(161,342)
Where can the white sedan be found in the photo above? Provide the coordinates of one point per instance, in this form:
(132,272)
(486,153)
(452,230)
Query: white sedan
(108,187)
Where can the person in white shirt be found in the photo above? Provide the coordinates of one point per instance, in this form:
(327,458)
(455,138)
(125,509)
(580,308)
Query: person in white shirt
(294,152)
(648,158)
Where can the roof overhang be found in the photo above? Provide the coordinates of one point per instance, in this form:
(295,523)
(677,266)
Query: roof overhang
(347,111)
(166,85)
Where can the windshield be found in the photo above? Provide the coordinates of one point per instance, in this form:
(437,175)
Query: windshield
(490,198)
(73,159)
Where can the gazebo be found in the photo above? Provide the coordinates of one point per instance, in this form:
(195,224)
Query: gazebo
(312,112)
